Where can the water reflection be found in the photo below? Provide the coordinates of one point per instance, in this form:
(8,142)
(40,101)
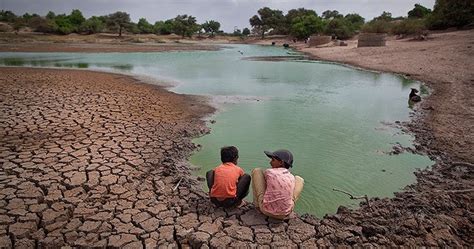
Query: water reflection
(63,62)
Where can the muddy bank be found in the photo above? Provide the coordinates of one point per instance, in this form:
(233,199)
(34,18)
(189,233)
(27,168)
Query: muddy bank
(97,43)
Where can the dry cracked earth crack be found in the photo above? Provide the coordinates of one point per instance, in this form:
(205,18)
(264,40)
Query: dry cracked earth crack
(92,160)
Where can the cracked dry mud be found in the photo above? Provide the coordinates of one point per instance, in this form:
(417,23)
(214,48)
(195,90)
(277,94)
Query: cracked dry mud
(93,160)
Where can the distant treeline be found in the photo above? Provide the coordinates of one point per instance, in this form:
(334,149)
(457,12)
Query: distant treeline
(298,23)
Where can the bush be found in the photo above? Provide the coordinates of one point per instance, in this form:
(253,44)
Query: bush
(40,24)
(409,27)
(449,13)
(377,26)
(340,28)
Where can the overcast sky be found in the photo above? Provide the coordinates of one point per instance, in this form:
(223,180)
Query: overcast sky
(230,13)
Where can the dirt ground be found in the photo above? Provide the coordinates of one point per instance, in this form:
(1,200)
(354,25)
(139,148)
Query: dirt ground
(100,43)
(86,163)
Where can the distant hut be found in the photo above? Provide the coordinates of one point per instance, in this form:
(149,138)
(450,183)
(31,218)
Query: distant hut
(316,40)
(371,40)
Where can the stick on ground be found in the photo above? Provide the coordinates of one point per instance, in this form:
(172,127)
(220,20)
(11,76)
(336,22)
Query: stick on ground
(354,197)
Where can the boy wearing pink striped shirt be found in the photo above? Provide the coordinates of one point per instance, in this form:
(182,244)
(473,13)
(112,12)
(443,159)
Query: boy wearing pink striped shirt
(276,190)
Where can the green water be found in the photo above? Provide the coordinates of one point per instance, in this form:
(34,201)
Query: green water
(330,116)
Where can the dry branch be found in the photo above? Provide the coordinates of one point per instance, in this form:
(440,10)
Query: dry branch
(352,197)
(177,185)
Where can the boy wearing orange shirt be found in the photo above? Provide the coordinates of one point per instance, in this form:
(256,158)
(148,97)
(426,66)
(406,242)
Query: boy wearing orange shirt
(228,184)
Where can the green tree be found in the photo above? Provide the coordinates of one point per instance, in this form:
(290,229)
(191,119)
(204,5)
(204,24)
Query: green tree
(27,16)
(211,27)
(340,28)
(163,28)
(246,31)
(451,13)
(237,32)
(144,26)
(385,16)
(51,15)
(76,18)
(118,20)
(92,25)
(184,25)
(133,28)
(7,16)
(267,19)
(304,26)
(419,11)
(331,14)
(294,13)
(356,21)
(63,25)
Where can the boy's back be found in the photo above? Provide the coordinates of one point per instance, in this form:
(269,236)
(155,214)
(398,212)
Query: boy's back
(228,184)
(226,177)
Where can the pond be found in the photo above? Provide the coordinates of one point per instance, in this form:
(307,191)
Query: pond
(335,119)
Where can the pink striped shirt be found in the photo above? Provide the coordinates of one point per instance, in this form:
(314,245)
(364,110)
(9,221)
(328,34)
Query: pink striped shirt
(278,198)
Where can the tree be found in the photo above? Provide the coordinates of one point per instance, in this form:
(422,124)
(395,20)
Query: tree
(118,20)
(340,28)
(211,27)
(27,16)
(144,26)
(385,16)
(163,28)
(237,32)
(419,11)
(294,13)
(449,13)
(356,21)
(51,15)
(246,31)
(76,18)
(63,25)
(92,25)
(267,19)
(331,14)
(184,25)
(7,16)
(304,26)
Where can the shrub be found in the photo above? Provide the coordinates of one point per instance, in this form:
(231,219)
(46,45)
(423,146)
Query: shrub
(377,26)
(409,27)
(449,13)
(340,28)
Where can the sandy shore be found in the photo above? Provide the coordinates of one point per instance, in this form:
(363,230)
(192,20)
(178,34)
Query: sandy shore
(94,159)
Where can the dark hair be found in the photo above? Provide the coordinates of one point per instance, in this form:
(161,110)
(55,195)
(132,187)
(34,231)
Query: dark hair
(229,154)
(285,164)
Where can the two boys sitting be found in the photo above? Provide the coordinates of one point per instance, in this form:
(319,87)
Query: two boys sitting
(275,190)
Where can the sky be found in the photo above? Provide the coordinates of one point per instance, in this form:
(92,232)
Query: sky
(230,14)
